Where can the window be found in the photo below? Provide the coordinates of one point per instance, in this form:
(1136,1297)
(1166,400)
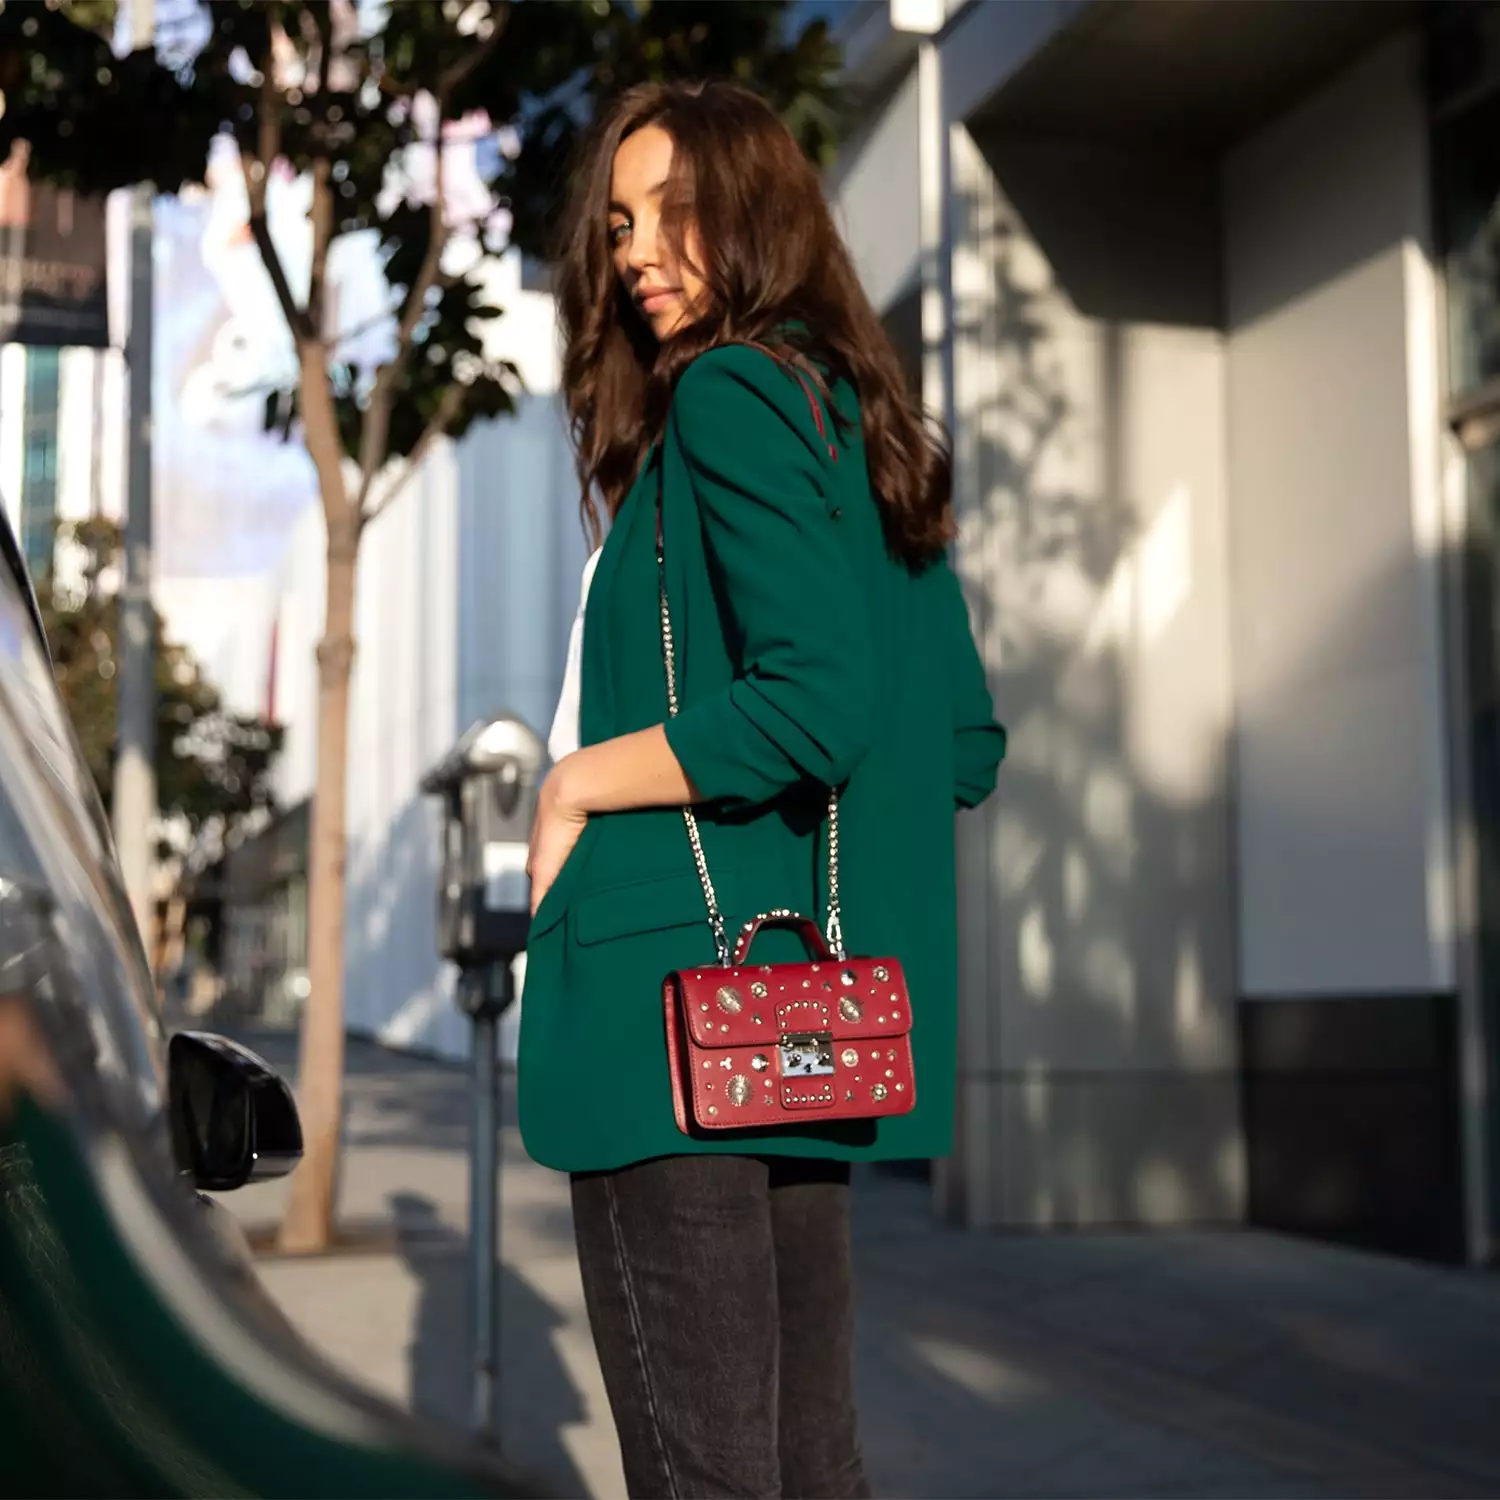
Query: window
(39,457)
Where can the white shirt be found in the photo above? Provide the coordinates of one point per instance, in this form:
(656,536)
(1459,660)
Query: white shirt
(563,738)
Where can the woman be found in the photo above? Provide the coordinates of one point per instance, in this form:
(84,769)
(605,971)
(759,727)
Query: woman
(821,641)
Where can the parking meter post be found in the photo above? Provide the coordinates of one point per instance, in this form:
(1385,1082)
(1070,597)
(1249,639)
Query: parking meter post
(488,785)
(484,1195)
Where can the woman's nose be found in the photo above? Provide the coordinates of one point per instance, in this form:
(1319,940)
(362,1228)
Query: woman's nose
(641,255)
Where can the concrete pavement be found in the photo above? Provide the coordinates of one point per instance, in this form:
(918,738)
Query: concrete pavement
(1203,1364)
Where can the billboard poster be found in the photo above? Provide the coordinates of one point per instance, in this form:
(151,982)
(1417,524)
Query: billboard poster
(52,262)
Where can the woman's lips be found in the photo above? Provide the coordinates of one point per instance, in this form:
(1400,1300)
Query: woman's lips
(655,302)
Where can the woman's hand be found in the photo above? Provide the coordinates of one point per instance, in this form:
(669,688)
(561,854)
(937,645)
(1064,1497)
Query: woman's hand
(559,822)
(632,770)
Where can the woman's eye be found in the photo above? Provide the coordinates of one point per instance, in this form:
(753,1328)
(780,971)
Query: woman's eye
(617,233)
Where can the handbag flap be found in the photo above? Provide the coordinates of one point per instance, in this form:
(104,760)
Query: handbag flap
(757,1004)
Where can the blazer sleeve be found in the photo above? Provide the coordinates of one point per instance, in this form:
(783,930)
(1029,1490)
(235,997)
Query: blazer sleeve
(978,740)
(802,704)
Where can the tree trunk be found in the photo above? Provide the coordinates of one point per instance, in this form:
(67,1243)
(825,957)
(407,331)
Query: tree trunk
(308,1224)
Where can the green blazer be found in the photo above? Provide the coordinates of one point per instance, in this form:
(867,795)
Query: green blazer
(807,657)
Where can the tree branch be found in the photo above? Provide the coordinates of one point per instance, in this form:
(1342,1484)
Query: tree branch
(321,215)
(366,325)
(448,409)
(257,170)
(375,434)
(325,48)
(471,59)
(322,182)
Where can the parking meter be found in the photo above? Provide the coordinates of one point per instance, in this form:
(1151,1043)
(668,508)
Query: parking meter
(488,784)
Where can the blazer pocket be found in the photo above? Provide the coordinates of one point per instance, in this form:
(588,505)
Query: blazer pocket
(555,903)
(638,906)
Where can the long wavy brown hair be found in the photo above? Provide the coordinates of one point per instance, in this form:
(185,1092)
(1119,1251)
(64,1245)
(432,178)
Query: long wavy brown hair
(776,273)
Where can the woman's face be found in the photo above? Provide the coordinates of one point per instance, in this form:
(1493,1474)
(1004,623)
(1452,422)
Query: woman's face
(666,292)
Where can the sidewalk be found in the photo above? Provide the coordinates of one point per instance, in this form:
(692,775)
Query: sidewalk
(1199,1364)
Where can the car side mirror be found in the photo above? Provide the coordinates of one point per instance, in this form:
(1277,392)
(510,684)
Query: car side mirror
(233,1120)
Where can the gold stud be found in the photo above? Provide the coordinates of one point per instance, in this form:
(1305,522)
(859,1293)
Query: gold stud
(729,1000)
(739,1090)
(725,1028)
(850,1008)
(878,1092)
(849,1057)
(760,1062)
(848,978)
(758,989)
(713,1109)
(890,1072)
(882,973)
(900,1088)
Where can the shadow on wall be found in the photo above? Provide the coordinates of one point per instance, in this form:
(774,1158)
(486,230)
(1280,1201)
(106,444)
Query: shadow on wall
(1104,416)
(1104,1071)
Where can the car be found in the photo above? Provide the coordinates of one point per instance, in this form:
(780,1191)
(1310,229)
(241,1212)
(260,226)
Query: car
(138,1352)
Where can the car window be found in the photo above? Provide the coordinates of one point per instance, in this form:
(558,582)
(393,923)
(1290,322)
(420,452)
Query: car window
(57,857)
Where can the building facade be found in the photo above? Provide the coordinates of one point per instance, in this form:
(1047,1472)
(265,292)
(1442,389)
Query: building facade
(61,441)
(1208,296)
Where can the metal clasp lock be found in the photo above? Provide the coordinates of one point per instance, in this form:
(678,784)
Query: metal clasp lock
(806,1054)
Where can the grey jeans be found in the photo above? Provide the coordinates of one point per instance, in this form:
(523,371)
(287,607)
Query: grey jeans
(721,1300)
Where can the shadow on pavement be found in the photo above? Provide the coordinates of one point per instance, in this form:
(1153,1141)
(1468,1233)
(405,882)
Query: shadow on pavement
(538,1397)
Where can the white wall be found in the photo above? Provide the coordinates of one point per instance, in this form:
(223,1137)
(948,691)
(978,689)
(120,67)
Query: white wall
(873,190)
(468,584)
(403,719)
(1343,804)
(1098,1057)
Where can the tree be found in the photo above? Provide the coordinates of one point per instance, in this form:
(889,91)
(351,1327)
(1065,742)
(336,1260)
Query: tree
(212,766)
(355,101)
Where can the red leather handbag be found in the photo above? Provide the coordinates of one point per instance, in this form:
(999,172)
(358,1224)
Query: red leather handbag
(751,1046)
